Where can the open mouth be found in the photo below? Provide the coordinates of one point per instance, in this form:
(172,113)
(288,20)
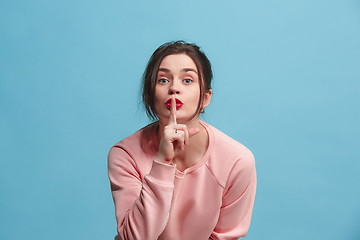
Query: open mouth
(178,103)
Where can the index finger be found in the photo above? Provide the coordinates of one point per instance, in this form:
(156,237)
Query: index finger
(172,118)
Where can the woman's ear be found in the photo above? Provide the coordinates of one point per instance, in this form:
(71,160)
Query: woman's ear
(207,98)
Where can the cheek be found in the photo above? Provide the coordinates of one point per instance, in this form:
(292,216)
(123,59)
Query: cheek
(197,94)
(158,99)
(158,95)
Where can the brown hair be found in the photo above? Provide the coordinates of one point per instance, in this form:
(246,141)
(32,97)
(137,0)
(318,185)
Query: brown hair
(150,75)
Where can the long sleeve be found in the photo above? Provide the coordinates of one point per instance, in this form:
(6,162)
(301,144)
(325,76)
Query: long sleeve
(142,207)
(238,201)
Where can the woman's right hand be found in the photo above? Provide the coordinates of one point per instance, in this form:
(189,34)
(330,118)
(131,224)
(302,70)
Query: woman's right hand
(175,137)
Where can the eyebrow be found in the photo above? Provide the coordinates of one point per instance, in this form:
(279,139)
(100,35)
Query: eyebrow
(183,70)
(189,70)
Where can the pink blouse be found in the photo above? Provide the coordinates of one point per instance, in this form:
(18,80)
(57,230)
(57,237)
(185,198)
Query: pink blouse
(210,200)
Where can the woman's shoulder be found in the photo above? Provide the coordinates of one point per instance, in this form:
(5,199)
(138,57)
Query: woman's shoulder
(133,154)
(224,143)
(225,153)
(141,141)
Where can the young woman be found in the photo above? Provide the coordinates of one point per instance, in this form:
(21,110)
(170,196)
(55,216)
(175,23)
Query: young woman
(179,177)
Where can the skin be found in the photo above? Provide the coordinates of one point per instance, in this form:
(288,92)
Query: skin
(178,78)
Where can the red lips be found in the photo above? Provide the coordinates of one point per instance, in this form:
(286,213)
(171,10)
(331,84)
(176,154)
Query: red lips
(178,103)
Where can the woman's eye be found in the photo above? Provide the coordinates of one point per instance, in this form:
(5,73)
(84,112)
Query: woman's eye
(163,80)
(187,81)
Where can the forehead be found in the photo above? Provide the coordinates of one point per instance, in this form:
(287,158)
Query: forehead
(177,62)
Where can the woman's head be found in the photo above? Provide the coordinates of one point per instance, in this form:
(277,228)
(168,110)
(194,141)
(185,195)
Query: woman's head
(150,76)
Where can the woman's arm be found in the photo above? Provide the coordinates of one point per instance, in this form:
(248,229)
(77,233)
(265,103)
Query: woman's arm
(142,207)
(238,201)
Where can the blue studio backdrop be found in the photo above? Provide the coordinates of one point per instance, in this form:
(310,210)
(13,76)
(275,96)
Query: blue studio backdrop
(286,85)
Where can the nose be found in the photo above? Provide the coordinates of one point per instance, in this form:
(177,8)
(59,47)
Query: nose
(174,88)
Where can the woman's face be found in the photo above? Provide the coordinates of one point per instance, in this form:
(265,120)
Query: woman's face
(178,76)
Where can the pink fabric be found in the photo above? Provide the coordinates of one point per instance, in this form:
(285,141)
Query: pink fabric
(210,200)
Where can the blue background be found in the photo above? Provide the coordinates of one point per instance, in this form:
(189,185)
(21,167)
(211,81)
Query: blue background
(286,85)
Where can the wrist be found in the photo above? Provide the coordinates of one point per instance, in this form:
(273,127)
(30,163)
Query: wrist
(163,159)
